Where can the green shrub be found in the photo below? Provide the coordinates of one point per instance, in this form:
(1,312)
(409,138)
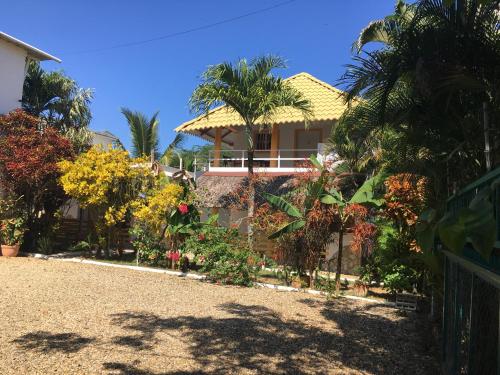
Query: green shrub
(149,248)
(393,262)
(222,255)
(400,278)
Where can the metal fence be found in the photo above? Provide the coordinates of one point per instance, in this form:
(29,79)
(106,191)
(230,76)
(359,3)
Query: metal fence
(471,318)
(471,323)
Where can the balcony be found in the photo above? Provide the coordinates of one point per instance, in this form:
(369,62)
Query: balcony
(265,161)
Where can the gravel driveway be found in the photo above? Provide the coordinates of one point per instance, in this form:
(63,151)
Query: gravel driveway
(68,318)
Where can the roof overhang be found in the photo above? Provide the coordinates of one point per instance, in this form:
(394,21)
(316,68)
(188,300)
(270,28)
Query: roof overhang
(33,52)
(328,104)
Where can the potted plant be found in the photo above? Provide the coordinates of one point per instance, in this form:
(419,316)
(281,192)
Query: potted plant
(12,231)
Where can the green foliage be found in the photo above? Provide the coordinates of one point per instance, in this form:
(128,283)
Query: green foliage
(475,224)
(12,231)
(45,245)
(56,98)
(418,104)
(150,250)
(400,278)
(144,133)
(391,261)
(222,255)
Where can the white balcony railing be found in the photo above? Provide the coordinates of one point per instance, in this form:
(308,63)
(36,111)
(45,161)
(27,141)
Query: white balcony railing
(281,160)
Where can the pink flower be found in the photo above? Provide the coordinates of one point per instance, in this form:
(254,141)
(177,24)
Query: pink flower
(183,208)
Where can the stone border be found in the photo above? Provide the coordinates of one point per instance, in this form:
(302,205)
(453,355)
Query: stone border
(195,276)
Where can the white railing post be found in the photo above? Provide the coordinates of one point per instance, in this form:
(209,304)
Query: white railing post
(194,169)
(242,158)
(279,158)
(209,159)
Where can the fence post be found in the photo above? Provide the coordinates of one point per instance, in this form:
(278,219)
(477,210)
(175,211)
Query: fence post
(242,158)
(279,158)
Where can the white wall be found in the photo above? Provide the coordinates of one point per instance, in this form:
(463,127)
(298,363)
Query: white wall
(12,72)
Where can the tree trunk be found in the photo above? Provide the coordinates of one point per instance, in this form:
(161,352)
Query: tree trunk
(251,186)
(339,262)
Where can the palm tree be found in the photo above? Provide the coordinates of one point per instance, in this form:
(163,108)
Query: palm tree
(56,98)
(250,90)
(145,137)
(434,80)
(144,132)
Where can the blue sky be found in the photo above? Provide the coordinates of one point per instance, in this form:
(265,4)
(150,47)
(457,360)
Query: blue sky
(313,35)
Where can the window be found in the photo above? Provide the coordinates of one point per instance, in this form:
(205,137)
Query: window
(263,141)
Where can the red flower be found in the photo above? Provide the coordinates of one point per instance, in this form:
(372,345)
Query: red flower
(183,208)
(174,256)
(201,237)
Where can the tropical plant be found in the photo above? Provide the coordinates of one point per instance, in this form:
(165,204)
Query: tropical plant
(250,90)
(144,132)
(310,224)
(147,244)
(319,194)
(350,209)
(107,182)
(434,81)
(56,98)
(29,160)
(474,223)
(221,254)
(145,136)
(12,231)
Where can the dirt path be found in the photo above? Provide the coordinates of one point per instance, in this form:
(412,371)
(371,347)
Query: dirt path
(67,318)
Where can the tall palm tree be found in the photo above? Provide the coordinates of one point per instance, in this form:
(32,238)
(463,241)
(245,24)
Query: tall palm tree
(250,90)
(56,98)
(431,80)
(144,132)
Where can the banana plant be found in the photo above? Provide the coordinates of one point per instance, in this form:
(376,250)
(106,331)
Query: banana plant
(365,195)
(316,190)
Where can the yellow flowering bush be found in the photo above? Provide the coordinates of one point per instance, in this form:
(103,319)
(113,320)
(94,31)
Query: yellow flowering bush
(154,210)
(107,182)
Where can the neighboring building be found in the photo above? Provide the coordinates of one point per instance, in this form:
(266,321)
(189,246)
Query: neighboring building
(14,57)
(105,139)
(282,148)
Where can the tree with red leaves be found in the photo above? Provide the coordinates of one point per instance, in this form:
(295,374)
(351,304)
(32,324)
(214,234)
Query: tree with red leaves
(29,154)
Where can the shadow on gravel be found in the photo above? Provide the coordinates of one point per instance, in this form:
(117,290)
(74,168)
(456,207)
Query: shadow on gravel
(53,342)
(256,338)
(124,369)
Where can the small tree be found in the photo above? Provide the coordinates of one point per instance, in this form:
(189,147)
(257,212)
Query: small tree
(29,170)
(107,182)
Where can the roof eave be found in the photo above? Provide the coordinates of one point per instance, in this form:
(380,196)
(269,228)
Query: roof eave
(33,52)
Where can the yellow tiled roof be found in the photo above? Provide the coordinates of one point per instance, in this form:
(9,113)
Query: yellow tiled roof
(327,104)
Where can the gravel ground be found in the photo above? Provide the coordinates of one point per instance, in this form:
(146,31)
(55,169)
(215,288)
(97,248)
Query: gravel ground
(67,318)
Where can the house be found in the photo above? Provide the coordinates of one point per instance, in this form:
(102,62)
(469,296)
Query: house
(282,148)
(14,58)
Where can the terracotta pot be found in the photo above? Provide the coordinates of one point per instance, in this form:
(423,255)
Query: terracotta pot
(10,251)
